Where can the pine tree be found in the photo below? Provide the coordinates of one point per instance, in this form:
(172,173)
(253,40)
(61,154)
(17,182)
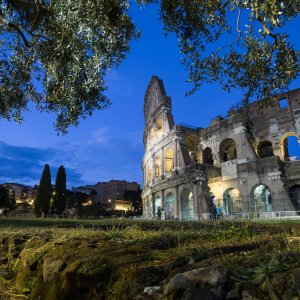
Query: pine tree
(60,190)
(43,196)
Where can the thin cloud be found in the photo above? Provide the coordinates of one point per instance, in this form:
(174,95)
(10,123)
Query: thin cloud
(106,154)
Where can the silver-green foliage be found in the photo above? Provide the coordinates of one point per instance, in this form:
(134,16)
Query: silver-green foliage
(240,43)
(56,54)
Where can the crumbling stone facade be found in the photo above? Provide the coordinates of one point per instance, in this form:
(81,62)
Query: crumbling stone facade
(231,167)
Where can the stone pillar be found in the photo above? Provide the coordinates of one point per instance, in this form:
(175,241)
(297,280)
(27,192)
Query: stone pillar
(163,161)
(153,168)
(153,205)
(196,200)
(243,147)
(163,199)
(177,204)
(176,155)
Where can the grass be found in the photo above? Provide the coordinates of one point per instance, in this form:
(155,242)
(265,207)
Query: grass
(146,252)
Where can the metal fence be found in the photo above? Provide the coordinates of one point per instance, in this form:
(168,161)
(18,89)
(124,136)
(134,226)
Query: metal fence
(276,215)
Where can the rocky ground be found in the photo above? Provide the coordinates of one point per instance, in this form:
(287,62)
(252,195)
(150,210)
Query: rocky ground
(150,260)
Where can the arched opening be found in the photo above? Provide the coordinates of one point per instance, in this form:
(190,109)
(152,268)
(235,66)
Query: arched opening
(232,201)
(149,172)
(157,166)
(186,201)
(159,129)
(261,197)
(265,149)
(207,157)
(157,207)
(149,208)
(291,148)
(294,192)
(228,150)
(170,206)
(169,160)
(151,136)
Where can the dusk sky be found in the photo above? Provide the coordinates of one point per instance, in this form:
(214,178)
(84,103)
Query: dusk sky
(109,145)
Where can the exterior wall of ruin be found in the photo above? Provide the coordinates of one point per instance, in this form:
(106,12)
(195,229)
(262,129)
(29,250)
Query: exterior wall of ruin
(210,163)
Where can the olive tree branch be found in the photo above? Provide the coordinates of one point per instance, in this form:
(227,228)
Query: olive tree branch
(15,28)
(263,23)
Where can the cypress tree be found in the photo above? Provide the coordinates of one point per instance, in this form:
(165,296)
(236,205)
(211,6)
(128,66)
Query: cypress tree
(43,195)
(3,197)
(60,190)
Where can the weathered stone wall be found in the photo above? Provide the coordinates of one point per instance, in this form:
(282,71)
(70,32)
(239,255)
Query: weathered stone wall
(237,166)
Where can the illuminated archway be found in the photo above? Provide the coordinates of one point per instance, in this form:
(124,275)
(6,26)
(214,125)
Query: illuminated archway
(186,203)
(151,136)
(157,166)
(149,175)
(170,206)
(169,160)
(265,149)
(159,129)
(228,150)
(157,207)
(232,201)
(261,197)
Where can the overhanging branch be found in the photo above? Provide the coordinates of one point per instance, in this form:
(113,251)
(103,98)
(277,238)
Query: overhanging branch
(16,28)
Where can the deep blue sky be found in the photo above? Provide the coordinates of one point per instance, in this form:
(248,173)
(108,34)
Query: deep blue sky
(108,145)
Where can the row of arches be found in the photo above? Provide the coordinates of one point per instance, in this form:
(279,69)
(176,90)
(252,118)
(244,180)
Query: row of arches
(260,201)
(168,213)
(167,161)
(228,151)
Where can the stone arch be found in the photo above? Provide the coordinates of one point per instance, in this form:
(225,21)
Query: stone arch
(186,205)
(192,141)
(228,150)
(149,175)
(157,206)
(265,149)
(261,198)
(207,157)
(285,146)
(170,206)
(294,193)
(151,136)
(169,160)
(232,201)
(159,128)
(157,166)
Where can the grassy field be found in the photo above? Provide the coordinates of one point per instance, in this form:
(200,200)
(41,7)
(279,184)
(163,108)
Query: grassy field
(259,256)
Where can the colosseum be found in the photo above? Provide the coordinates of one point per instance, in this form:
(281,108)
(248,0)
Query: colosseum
(231,168)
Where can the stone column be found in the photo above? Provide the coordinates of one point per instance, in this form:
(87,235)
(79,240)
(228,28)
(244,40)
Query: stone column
(163,199)
(162,162)
(177,204)
(196,199)
(153,168)
(176,155)
(153,205)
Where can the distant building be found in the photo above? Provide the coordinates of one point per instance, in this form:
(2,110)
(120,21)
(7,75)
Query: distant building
(85,189)
(22,192)
(113,190)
